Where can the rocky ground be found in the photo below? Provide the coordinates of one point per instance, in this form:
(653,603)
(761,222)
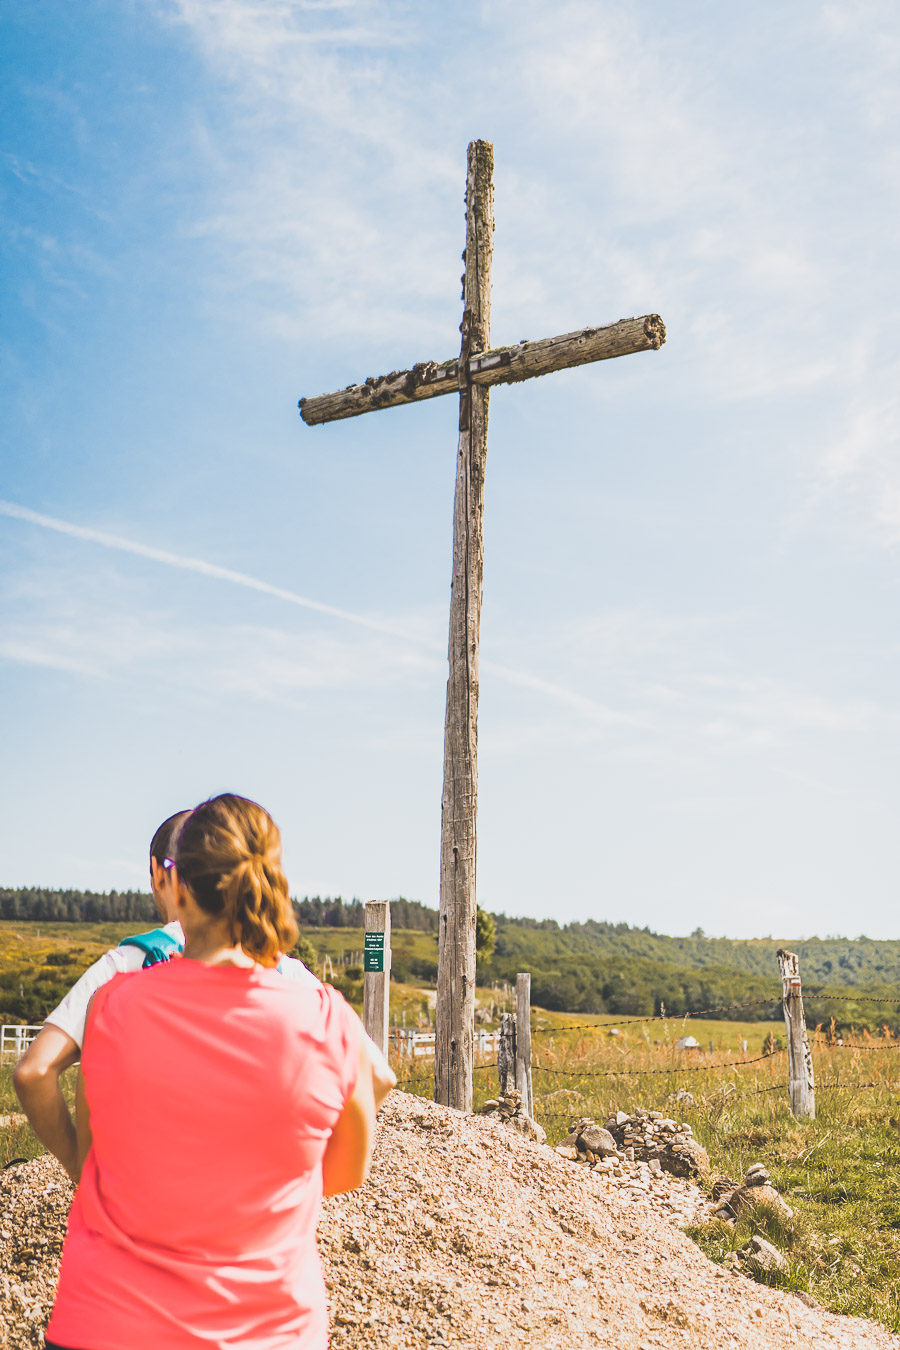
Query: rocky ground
(470,1234)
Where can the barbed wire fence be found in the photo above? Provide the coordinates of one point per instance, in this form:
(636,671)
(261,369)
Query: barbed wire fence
(586,1029)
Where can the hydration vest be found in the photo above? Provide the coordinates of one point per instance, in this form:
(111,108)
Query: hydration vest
(157,945)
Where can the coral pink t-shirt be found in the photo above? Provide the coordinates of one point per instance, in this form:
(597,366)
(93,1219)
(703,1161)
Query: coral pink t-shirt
(213,1092)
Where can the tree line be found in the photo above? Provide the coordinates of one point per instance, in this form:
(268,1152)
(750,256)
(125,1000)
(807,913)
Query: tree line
(35,904)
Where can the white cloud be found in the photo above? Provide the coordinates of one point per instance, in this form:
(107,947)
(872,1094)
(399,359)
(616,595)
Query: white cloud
(85,635)
(676,684)
(271,661)
(637,182)
(199,566)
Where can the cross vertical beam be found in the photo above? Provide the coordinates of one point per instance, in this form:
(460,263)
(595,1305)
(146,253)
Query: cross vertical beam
(455,1011)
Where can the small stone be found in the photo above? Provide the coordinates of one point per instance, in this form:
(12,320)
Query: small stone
(598,1140)
(747,1198)
(688,1159)
(763,1256)
(528,1127)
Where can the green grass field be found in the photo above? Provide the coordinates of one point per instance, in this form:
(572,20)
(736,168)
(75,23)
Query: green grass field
(40,962)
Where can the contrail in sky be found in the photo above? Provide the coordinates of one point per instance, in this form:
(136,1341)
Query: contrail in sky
(596,711)
(205,569)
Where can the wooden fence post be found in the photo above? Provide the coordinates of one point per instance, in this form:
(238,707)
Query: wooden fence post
(506,1054)
(377,972)
(523,1041)
(802,1084)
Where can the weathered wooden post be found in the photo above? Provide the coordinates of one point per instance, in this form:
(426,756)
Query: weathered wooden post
(377,972)
(523,1041)
(454,1050)
(802,1084)
(506,1054)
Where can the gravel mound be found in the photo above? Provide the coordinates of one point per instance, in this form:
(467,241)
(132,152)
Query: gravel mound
(34,1205)
(469,1234)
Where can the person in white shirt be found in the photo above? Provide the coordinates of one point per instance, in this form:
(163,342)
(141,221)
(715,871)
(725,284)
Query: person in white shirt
(57,1046)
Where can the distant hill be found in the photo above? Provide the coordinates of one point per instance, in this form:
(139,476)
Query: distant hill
(592,967)
(833,961)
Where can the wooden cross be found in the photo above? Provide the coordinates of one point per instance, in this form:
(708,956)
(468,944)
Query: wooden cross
(471,375)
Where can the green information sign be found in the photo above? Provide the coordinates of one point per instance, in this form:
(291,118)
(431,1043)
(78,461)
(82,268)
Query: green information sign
(373,955)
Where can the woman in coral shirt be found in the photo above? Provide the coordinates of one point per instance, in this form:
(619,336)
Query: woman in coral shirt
(217,1103)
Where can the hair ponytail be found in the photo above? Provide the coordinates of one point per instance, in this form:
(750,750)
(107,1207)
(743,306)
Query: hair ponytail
(229,857)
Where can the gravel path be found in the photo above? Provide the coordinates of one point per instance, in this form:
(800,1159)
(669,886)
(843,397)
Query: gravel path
(467,1234)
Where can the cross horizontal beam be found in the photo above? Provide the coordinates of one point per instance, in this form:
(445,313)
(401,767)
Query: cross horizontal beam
(501,365)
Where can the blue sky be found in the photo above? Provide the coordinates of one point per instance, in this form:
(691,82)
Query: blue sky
(689,709)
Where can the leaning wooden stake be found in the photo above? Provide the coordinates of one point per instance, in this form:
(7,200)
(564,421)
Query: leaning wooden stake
(377,972)
(523,1041)
(800,1065)
(506,1054)
(455,1014)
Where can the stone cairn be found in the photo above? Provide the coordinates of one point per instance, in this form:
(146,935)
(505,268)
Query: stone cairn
(509,1109)
(644,1136)
(734,1200)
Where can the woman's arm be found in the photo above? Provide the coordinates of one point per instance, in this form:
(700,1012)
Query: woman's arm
(349,1150)
(36,1080)
(383,1076)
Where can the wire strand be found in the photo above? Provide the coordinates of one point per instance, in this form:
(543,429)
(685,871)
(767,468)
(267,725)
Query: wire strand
(640,1073)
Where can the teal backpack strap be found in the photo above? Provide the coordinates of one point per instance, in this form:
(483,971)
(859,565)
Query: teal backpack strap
(157,945)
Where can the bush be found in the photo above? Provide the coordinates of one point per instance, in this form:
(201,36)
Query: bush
(304,951)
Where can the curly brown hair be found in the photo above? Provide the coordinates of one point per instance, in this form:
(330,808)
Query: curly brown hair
(228,854)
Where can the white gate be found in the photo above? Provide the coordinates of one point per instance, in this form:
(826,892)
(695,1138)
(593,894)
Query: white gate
(418,1043)
(15,1040)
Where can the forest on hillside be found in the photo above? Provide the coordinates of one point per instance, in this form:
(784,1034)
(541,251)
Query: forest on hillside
(823,961)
